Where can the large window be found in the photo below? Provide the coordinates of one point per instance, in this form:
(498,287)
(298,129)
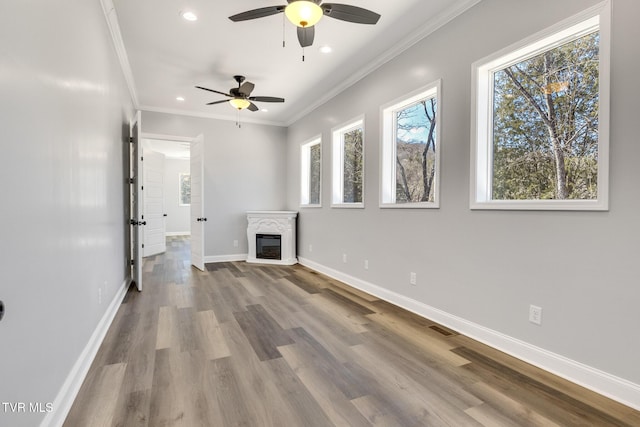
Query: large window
(348,165)
(184,183)
(541,137)
(311,173)
(410,150)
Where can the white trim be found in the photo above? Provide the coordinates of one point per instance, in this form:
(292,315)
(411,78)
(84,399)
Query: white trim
(305,172)
(616,388)
(225,258)
(429,27)
(596,17)
(116,36)
(71,386)
(177,233)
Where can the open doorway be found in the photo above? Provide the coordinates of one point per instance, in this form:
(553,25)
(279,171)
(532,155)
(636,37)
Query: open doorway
(166,194)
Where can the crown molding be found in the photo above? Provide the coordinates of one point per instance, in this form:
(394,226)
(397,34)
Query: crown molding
(430,26)
(114,28)
(244,118)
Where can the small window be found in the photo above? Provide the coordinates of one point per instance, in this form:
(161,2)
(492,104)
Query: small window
(411,150)
(541,114)
(348,164)
(184,189)
(311,173)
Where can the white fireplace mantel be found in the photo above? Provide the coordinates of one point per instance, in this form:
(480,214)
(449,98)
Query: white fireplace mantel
(281,223)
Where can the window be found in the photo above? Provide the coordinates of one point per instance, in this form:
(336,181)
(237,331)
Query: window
(184,181)
(411,150)
(348,163)
(541,121)
(311,173)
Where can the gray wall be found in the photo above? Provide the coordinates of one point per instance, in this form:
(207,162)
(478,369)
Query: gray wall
(177,216)
(488,266)
(63,121)
(244,169)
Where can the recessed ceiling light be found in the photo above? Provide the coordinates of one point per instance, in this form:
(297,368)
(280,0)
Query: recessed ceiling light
(189,15)
(326,49)
(264,110)
(179,98)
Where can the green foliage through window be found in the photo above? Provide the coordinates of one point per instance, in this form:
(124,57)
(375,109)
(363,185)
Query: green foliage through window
(545,124)
(352,163)
(314,174)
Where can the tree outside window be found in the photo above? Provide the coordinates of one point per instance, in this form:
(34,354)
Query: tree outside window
(545,128)
(348,165)
(410,150)
(541,120)
(185,189)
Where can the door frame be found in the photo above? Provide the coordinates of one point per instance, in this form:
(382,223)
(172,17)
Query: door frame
(189,139)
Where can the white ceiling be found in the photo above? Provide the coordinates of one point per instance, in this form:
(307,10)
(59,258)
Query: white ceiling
(168,55)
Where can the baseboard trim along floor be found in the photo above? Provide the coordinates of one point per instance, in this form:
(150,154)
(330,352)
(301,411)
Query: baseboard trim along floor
(608,385)
(69,390)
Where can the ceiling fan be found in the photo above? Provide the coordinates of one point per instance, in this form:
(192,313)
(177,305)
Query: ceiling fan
(305,14)
(240,96)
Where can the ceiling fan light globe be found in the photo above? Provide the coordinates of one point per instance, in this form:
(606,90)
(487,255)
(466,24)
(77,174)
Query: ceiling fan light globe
(239,103)
(303,13)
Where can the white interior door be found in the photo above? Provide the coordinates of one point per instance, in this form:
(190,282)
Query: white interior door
(153,194)
(136,220)
(198,219)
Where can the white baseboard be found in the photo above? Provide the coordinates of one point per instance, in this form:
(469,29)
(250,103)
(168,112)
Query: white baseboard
(71,386)
(177,233)
(225,258)
(619,389)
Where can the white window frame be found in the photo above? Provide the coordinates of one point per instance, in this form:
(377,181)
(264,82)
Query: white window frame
(180,175)
(305,173)
(388,146)
(597,17)
(337,154)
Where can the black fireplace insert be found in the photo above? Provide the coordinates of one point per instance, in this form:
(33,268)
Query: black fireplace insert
(268,246)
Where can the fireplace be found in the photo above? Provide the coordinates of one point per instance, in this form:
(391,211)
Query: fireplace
(268,246)
(271,236)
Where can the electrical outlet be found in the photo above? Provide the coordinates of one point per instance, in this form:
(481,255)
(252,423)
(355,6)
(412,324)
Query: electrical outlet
(235,243)
(366,264)
(344,258)
(310,248)
(535,314)
(413,278)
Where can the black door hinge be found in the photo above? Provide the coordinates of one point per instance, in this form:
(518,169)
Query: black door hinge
(132,180)
(133,262)
(143,246)
(131,140)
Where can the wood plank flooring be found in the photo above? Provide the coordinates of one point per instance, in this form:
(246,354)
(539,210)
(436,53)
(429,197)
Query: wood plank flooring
(253,345)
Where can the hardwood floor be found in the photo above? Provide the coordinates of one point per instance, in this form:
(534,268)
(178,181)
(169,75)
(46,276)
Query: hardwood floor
(253,345)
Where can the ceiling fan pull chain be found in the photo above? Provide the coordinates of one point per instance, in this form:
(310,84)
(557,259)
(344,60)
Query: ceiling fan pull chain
(283,33)
(303,54)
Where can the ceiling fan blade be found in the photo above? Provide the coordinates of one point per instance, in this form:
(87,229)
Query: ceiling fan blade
(257,13)
(305,35)
(211,90)
(252,107)
(266,99)
(345,12)
(218,102)
(246,88)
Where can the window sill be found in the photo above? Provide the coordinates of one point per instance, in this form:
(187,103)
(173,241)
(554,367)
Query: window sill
(417,205)
(348,205)
(541,205)
(310,206)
